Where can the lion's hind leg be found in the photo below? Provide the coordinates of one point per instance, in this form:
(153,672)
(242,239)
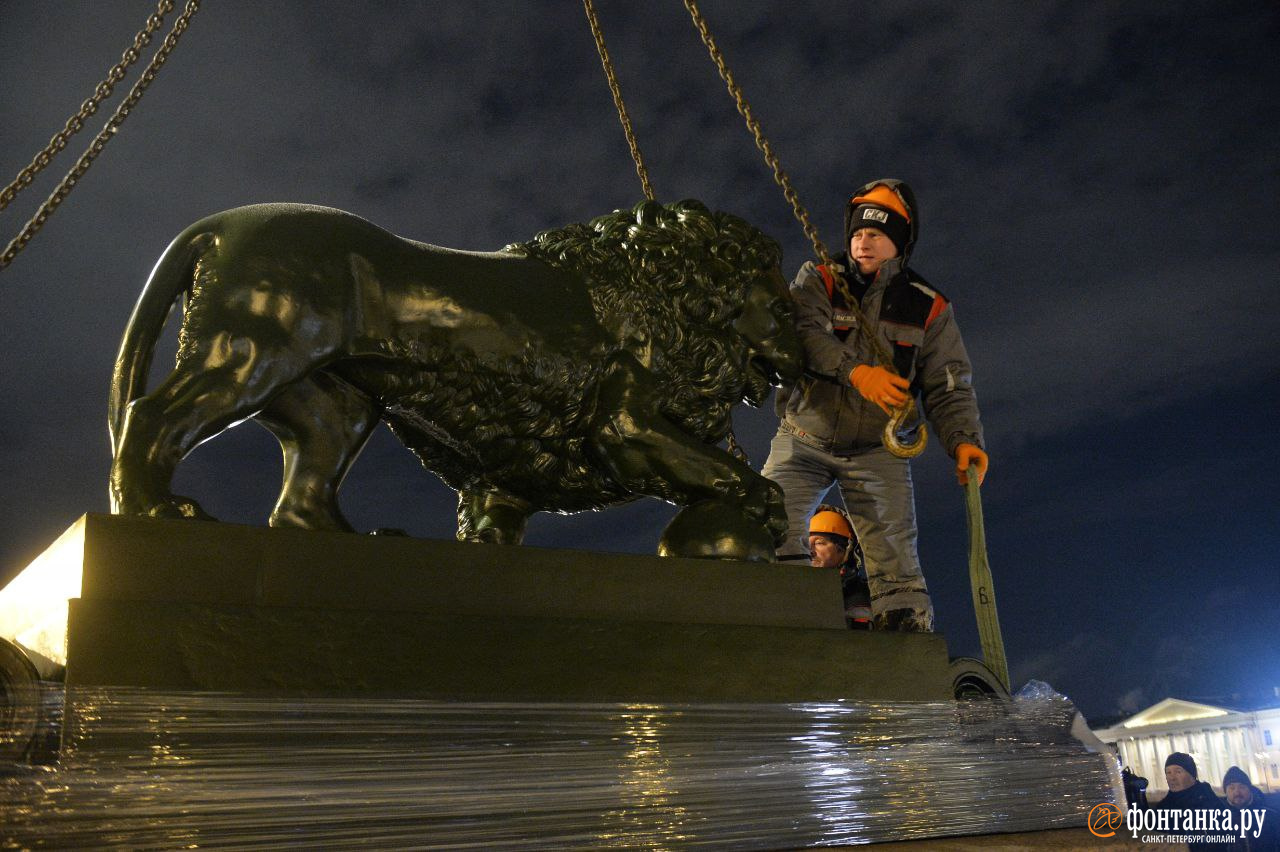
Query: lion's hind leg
(322,424)
(222,380)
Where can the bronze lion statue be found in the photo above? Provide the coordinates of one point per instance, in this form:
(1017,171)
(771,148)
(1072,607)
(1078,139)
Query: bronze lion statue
(589,366)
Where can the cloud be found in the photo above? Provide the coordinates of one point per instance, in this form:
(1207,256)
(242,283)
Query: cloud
(1125,342)
(1133,701)
(1065,663)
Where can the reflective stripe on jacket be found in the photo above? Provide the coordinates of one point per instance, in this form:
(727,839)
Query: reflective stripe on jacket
(917,324)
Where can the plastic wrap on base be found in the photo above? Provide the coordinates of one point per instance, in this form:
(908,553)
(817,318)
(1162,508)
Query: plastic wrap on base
(148,769)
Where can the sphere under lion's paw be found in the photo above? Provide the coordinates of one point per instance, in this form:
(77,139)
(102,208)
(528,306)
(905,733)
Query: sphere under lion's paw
(716,530)
(177,507)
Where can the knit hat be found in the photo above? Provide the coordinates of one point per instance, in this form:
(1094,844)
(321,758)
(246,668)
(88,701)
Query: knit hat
(1184,760)
(880,208)
(1235,775)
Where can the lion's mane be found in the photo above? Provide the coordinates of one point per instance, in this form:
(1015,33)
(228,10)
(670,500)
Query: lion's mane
(669,280)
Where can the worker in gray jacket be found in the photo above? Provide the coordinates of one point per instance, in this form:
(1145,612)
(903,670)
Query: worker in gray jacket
(833,419)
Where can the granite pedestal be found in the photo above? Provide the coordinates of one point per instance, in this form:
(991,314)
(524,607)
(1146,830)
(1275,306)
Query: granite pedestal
(191,605)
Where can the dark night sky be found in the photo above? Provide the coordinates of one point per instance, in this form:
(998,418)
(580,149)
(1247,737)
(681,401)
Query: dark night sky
(1098,185)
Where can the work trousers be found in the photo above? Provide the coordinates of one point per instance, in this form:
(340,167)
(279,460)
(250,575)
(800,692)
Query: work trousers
(878,494)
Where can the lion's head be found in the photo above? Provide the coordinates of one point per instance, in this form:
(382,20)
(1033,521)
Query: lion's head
(695,295)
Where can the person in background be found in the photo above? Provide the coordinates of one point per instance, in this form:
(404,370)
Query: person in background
(1135,789)
(1186,790)
(1242,795)
(832,544)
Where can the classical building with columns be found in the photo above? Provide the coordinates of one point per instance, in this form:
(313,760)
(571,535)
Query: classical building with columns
(1217,737)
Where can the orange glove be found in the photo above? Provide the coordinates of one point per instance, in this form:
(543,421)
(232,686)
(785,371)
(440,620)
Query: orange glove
(967,454)
(878,385)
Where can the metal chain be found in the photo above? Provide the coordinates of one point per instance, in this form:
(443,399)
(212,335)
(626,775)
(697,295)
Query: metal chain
(617,98)
(731,439)
(109,129)
(734,448)
(880,351)
(780,176)
(76,122)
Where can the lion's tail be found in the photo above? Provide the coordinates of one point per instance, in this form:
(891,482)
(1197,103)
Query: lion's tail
(171,278)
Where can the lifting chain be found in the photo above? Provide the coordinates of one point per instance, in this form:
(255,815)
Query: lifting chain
(617,98)
(731,440)
(780,177)
(87,109)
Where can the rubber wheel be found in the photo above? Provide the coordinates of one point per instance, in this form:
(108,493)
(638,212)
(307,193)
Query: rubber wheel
(20,694)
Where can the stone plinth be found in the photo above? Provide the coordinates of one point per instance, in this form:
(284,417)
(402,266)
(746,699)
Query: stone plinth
(212,606)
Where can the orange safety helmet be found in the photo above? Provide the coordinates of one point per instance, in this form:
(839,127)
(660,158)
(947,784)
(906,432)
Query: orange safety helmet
(829,522)
(883,196)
